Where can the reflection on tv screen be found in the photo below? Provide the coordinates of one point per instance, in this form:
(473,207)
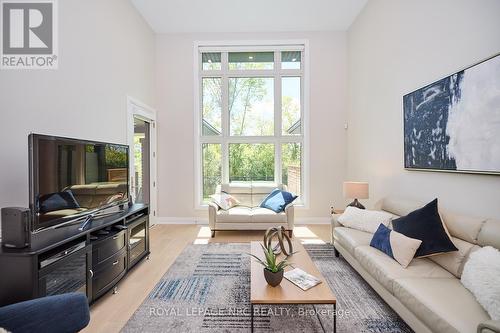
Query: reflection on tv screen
(77,177)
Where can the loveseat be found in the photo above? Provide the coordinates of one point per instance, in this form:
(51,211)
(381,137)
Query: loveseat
(248,215)
(428,294)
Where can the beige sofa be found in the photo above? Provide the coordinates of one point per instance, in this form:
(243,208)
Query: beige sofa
(428,294)
(248,215)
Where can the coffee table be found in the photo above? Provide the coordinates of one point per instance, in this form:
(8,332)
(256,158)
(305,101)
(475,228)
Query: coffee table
(287,292)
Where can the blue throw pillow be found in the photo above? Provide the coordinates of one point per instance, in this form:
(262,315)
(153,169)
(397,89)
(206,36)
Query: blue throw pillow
(395,245)
(277,200)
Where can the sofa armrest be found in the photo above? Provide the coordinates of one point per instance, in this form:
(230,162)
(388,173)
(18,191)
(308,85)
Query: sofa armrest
(212,214)
(335,224)
(68,313)
(335,220)
(489,326)
(290,216)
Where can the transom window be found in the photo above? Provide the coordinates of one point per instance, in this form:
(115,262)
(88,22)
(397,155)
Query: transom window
(250,117)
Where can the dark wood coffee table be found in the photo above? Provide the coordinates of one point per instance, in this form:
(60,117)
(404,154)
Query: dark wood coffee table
(287,292)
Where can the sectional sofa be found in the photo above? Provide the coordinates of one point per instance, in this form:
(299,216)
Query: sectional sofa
(428,294)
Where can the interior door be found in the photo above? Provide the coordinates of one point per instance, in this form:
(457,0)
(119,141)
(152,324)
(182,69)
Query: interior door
(141,137)
(142,161)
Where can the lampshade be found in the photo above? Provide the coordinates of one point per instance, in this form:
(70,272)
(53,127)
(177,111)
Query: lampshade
(356,190)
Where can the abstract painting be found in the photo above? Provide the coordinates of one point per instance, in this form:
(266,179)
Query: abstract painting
(454,124)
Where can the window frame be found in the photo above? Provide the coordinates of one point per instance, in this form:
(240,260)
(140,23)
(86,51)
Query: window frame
(278,139)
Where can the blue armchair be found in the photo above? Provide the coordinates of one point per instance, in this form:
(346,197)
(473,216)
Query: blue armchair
(66,313)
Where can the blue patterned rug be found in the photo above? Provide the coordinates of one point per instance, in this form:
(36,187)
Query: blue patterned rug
(207,289)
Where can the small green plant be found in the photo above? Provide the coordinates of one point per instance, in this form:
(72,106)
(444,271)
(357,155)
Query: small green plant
(270,263)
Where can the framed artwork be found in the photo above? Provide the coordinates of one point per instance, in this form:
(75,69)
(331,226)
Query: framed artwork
(454,124)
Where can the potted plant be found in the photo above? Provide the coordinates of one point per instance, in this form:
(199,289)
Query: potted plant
(273,271)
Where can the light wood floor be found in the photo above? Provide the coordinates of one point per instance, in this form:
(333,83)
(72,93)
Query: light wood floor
(112,311)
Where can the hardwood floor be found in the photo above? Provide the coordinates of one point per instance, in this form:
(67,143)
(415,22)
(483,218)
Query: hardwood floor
(112,311)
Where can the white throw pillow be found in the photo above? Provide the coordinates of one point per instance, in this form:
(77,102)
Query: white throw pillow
(224,200)
(481,276)
(364,220)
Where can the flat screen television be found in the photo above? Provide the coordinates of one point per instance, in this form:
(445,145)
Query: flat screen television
(71,179)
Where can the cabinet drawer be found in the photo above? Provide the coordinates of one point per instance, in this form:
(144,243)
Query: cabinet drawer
(108,247)
(107,273)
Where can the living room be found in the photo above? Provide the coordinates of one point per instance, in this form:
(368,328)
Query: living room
(158,143)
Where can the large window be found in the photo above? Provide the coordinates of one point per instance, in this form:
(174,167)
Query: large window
(250,117)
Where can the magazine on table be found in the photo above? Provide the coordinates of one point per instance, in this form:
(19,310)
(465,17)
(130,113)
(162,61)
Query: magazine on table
(301,279)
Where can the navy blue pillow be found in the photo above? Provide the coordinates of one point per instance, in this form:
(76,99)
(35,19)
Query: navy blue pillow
(425,224)
(57,201)
(395,245)
(277,200)
(382,240)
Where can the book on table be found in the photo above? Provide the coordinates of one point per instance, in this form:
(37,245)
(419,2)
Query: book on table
(301,279)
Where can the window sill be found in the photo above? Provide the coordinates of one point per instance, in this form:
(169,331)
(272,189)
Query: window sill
(298,205)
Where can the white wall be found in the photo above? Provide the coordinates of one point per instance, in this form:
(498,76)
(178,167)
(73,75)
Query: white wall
(175,104)
(106,52)
(395,47)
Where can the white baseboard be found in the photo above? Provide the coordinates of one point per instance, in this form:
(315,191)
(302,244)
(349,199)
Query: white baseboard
(312,220)
(204,221)
(182,220)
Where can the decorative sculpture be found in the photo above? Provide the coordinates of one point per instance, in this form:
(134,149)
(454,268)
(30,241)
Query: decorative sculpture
(280,247)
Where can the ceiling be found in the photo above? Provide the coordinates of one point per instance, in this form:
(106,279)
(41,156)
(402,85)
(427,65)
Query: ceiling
(177,16)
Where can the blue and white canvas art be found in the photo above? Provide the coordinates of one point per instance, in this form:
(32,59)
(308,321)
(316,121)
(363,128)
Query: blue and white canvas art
(454,124)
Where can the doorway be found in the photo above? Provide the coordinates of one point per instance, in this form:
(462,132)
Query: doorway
(142,167)
(142,142)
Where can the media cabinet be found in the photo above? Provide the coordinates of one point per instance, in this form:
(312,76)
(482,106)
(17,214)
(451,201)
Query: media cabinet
(67,259)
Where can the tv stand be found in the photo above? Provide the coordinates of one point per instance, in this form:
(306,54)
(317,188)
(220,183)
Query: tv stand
(66,259)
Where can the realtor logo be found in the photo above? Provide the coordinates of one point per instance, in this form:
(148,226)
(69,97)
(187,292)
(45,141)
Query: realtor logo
(29,34)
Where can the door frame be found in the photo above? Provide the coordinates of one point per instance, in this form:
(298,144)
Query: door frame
(137,109)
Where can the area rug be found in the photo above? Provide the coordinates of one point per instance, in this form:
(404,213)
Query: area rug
(207,289)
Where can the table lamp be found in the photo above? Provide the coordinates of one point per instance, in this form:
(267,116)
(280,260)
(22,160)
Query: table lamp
(356,190)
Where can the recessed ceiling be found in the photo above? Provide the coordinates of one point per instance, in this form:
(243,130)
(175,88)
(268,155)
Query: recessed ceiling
(174,16)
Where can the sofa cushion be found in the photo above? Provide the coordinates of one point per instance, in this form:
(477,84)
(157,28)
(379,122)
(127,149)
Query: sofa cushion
(237,188)
(235,214)
(385,270)
(489,234)
(266,215)
(250,194)
(110,189)
(83,189)
(426,224)
(244,199)
(257,199)
(265,187)
(246,214)
(464,227)
(398,206)
(351,238)
(444,305)
(454,262)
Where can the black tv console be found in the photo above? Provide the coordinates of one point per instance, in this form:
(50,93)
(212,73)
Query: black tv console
(91,261)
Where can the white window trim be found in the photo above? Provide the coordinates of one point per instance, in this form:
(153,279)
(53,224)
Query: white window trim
(259,45)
